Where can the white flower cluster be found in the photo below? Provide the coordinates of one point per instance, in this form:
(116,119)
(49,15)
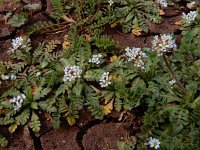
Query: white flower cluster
(19,42)
(6,77)
(95,59)
(17,101)
(172,82)
(38,74)
(71,73)
(163,44)
(136,55)
(16,43)
(189,17)
(152,142)
(163,3)
(110,2)
(105,80)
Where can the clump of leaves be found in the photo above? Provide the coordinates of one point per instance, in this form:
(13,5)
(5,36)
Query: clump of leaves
(19,13)
(28,82)
(3,141)
(18,20)
(132,15)
(172,115)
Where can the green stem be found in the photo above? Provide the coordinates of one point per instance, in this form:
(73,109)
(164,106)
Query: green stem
(174,76)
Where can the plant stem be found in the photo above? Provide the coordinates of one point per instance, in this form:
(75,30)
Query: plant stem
(174,76)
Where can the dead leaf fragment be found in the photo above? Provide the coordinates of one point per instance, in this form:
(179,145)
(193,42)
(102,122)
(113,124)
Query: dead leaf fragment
(2,111)
(113,25)
(161,12)
(67,19)
(107,109)
(113,58)
(34,88)
(178,23)
(66,45)
(192,5)
(88,37)
(137,31)
(71,121)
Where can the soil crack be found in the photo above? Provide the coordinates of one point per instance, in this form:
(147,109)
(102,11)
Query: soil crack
(36,140)
(44,5)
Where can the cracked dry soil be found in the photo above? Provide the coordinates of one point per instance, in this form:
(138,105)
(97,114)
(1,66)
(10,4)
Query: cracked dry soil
(88,133)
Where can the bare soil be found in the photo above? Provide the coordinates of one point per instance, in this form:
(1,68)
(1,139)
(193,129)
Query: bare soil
(88,133)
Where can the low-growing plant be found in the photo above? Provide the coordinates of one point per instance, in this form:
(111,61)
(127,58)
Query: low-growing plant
(132,15)
(88,72)
(19,13)
(172,117)
(3,141)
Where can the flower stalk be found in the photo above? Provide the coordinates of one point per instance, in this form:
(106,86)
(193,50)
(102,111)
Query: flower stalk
(174,76)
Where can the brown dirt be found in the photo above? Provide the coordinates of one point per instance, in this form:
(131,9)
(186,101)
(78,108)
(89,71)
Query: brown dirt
(167,26)
(21,140)
(4,46)
(60,139)
(5,30)
(84,118)
(127,40)
(104,136)
(171,11)
(49,7)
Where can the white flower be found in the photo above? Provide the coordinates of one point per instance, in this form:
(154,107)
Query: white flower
(17,101)
(163,3)
(38,74)
(154,143)
(110,2)
(95,59)
(23,96)
(105,80)
(163,44)
(19,42)
(71,73)
(13,77)
(136,55)
(16,43)
(4,77)
(172,82)
(189,17)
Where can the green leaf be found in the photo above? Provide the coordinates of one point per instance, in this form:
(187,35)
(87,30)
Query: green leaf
(34,105)
(35,122)
(41,93)
(6,104)
(65,62)
(43,64)
(3,141)
(56,119)
(18,19)
(47,105)
(118,104)
(130,16)
(23,117)
(78,88)
(63,88)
